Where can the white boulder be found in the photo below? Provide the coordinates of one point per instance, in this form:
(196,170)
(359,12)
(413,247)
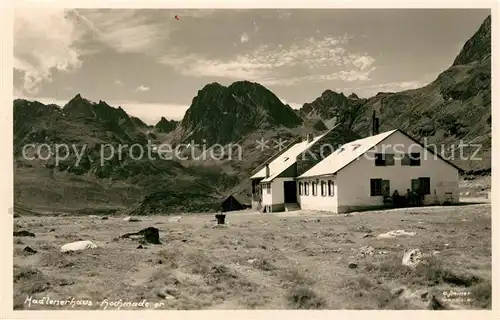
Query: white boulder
(411,258)
(395,233)
(131,219)
(78,245)
(175,219)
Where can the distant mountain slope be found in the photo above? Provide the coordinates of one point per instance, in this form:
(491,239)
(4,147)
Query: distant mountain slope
(104,176)
(138,122)
(127,180)
(78,121)
(454,108)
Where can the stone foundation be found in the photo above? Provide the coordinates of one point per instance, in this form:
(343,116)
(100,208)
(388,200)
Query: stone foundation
(278,207)
(347,209)
(273,207)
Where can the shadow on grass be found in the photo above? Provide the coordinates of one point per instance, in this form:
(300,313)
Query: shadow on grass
(391,208)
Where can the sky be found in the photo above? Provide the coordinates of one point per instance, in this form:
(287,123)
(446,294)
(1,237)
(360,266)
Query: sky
(152,64)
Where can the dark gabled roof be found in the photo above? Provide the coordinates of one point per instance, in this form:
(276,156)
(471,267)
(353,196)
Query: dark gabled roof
(239,198)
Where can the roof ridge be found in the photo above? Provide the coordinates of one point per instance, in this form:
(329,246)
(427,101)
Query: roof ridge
(379,138)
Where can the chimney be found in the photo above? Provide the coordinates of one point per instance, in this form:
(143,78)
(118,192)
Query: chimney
(309,137)
(377,125)
(267,170)
(372,132)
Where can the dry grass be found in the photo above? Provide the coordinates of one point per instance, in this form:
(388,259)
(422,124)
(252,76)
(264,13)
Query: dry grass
(295,260)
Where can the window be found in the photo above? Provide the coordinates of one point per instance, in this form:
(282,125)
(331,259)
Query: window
(415,159)
(301,192)
(405,160)
(268,186)
(375,187)
(323,188)
(425,185)
(389,159)
(384,159)
(379,160)
(330,188)
(412,159)
(314,188)
(306,188)
(421,185)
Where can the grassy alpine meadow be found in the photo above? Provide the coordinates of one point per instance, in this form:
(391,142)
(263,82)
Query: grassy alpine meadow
(291,260)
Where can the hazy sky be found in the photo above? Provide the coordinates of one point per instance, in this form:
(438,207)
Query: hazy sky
(153,65)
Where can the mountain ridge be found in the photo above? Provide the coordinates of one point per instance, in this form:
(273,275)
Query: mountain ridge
(220,114)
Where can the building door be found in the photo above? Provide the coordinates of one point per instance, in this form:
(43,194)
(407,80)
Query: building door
(290,191)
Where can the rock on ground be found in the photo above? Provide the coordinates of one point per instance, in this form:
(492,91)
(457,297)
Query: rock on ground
(78,245)
(366,251)
(131,219)
(395,233)
(411,258)
(23,233)
(174,219)
(435,304)
(364,229)
(29,250)
(150,235)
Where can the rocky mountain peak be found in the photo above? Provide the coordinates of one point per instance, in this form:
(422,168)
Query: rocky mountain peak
(220,114)
(165,125)
(478,47)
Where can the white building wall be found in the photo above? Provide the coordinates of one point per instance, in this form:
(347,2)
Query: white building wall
(318,202)
(267,198)
(354,180)
(277,195)
(279,190)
